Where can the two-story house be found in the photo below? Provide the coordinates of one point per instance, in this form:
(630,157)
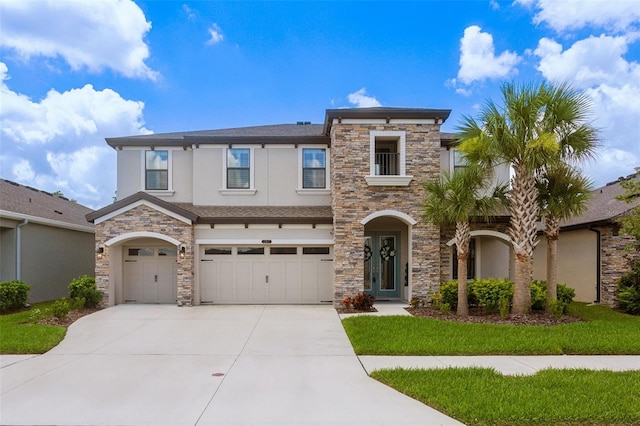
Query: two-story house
(299,213)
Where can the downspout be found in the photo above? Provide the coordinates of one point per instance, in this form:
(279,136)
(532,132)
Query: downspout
(598,267)
(19,249)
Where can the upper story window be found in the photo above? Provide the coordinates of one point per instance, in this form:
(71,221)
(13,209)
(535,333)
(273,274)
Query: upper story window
(157,170)
(314,170)
(238,168)
(387,159)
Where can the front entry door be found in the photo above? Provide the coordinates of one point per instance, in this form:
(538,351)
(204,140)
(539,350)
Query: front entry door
(381,260)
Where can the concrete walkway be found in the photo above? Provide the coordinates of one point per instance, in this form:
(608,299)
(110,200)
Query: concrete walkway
(206,365)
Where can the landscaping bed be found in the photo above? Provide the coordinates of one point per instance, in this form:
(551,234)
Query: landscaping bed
(478,316)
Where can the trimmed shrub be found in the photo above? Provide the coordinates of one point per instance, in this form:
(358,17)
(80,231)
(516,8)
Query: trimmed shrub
(13,295)
(628,292)
(565,296)
(448,294)
(362,301)
(538,295)
(61,308)
(491,293)
(85,287)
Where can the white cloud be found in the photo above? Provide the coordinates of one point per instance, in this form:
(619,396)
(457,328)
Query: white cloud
(588,62)
(215,34)
(190,13)
(597,65)
(618,15)
(57,143)
(361,100)
(96,35)
(478,60)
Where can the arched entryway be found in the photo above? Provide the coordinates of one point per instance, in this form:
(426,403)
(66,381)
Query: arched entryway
(387,255)
(147,268)
(490,255)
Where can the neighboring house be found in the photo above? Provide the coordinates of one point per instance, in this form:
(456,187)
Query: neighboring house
(591,251)
(45,240)
(293,213)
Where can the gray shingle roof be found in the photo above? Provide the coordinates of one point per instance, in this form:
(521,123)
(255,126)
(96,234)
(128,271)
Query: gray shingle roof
(291,133)
(27,201)
(603,206)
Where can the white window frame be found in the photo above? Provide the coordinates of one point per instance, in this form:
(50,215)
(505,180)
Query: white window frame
(388,180)
(327,164)
(452,159)
(238,191)
(143,173)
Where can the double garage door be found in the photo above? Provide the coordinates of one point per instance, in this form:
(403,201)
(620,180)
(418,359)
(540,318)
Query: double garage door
(264,274)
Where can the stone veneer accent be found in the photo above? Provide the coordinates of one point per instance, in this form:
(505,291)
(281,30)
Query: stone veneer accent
(352,200)
(614,262)
(143,218)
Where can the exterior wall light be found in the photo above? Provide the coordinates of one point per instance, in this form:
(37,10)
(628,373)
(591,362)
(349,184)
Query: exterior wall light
(100,252)
(183,251)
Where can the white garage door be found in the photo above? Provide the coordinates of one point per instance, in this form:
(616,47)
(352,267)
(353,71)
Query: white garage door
(263,275)
(150,275)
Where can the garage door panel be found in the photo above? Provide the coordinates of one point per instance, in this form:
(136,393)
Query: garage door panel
(133,276)
(293,286)
(225,279)
(256,275)
(259,288)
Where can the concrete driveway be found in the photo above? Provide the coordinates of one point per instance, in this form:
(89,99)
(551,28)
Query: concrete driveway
(206,365)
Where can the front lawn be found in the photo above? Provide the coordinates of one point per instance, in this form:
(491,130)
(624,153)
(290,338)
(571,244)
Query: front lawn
(21,334)
(480,396)
(603,331)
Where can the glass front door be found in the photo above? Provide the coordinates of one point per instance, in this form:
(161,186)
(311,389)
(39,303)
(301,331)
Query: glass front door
(381,259)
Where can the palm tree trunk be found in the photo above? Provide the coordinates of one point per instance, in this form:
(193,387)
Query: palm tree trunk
(552,231)
(463,236)
(522,231)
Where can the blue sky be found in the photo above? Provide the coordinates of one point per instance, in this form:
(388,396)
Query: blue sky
(75,72)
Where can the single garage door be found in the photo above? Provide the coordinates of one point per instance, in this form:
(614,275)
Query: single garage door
(264,275)
(150,275)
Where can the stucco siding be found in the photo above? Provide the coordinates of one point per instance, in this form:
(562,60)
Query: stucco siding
(129,173)
(577,262)
(493,258)
(52,257)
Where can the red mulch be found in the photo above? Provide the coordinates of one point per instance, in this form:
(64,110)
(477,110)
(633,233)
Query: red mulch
(477,315)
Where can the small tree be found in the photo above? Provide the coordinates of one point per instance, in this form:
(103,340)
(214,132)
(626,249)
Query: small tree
(453,199)
(631,221)
(562,193)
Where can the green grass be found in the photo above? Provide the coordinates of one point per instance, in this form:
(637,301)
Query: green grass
(20,333)
(603,331)
(479,396)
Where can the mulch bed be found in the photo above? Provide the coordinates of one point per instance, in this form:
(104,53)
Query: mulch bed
(70,319)
(343,310)
(477,315)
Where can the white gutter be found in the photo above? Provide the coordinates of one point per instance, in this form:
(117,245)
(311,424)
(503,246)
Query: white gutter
(18,249)
(50,222)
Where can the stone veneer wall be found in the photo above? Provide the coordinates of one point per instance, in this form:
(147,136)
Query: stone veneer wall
(614,262)
(352,200)
(143,218)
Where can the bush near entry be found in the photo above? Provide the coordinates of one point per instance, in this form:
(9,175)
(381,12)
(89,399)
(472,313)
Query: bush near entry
(85,287)
(628,292)
(13,295)
(494,295)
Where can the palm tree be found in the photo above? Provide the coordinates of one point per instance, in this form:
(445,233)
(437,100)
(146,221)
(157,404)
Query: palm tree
(563,193)
(453,199)
(535,126)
